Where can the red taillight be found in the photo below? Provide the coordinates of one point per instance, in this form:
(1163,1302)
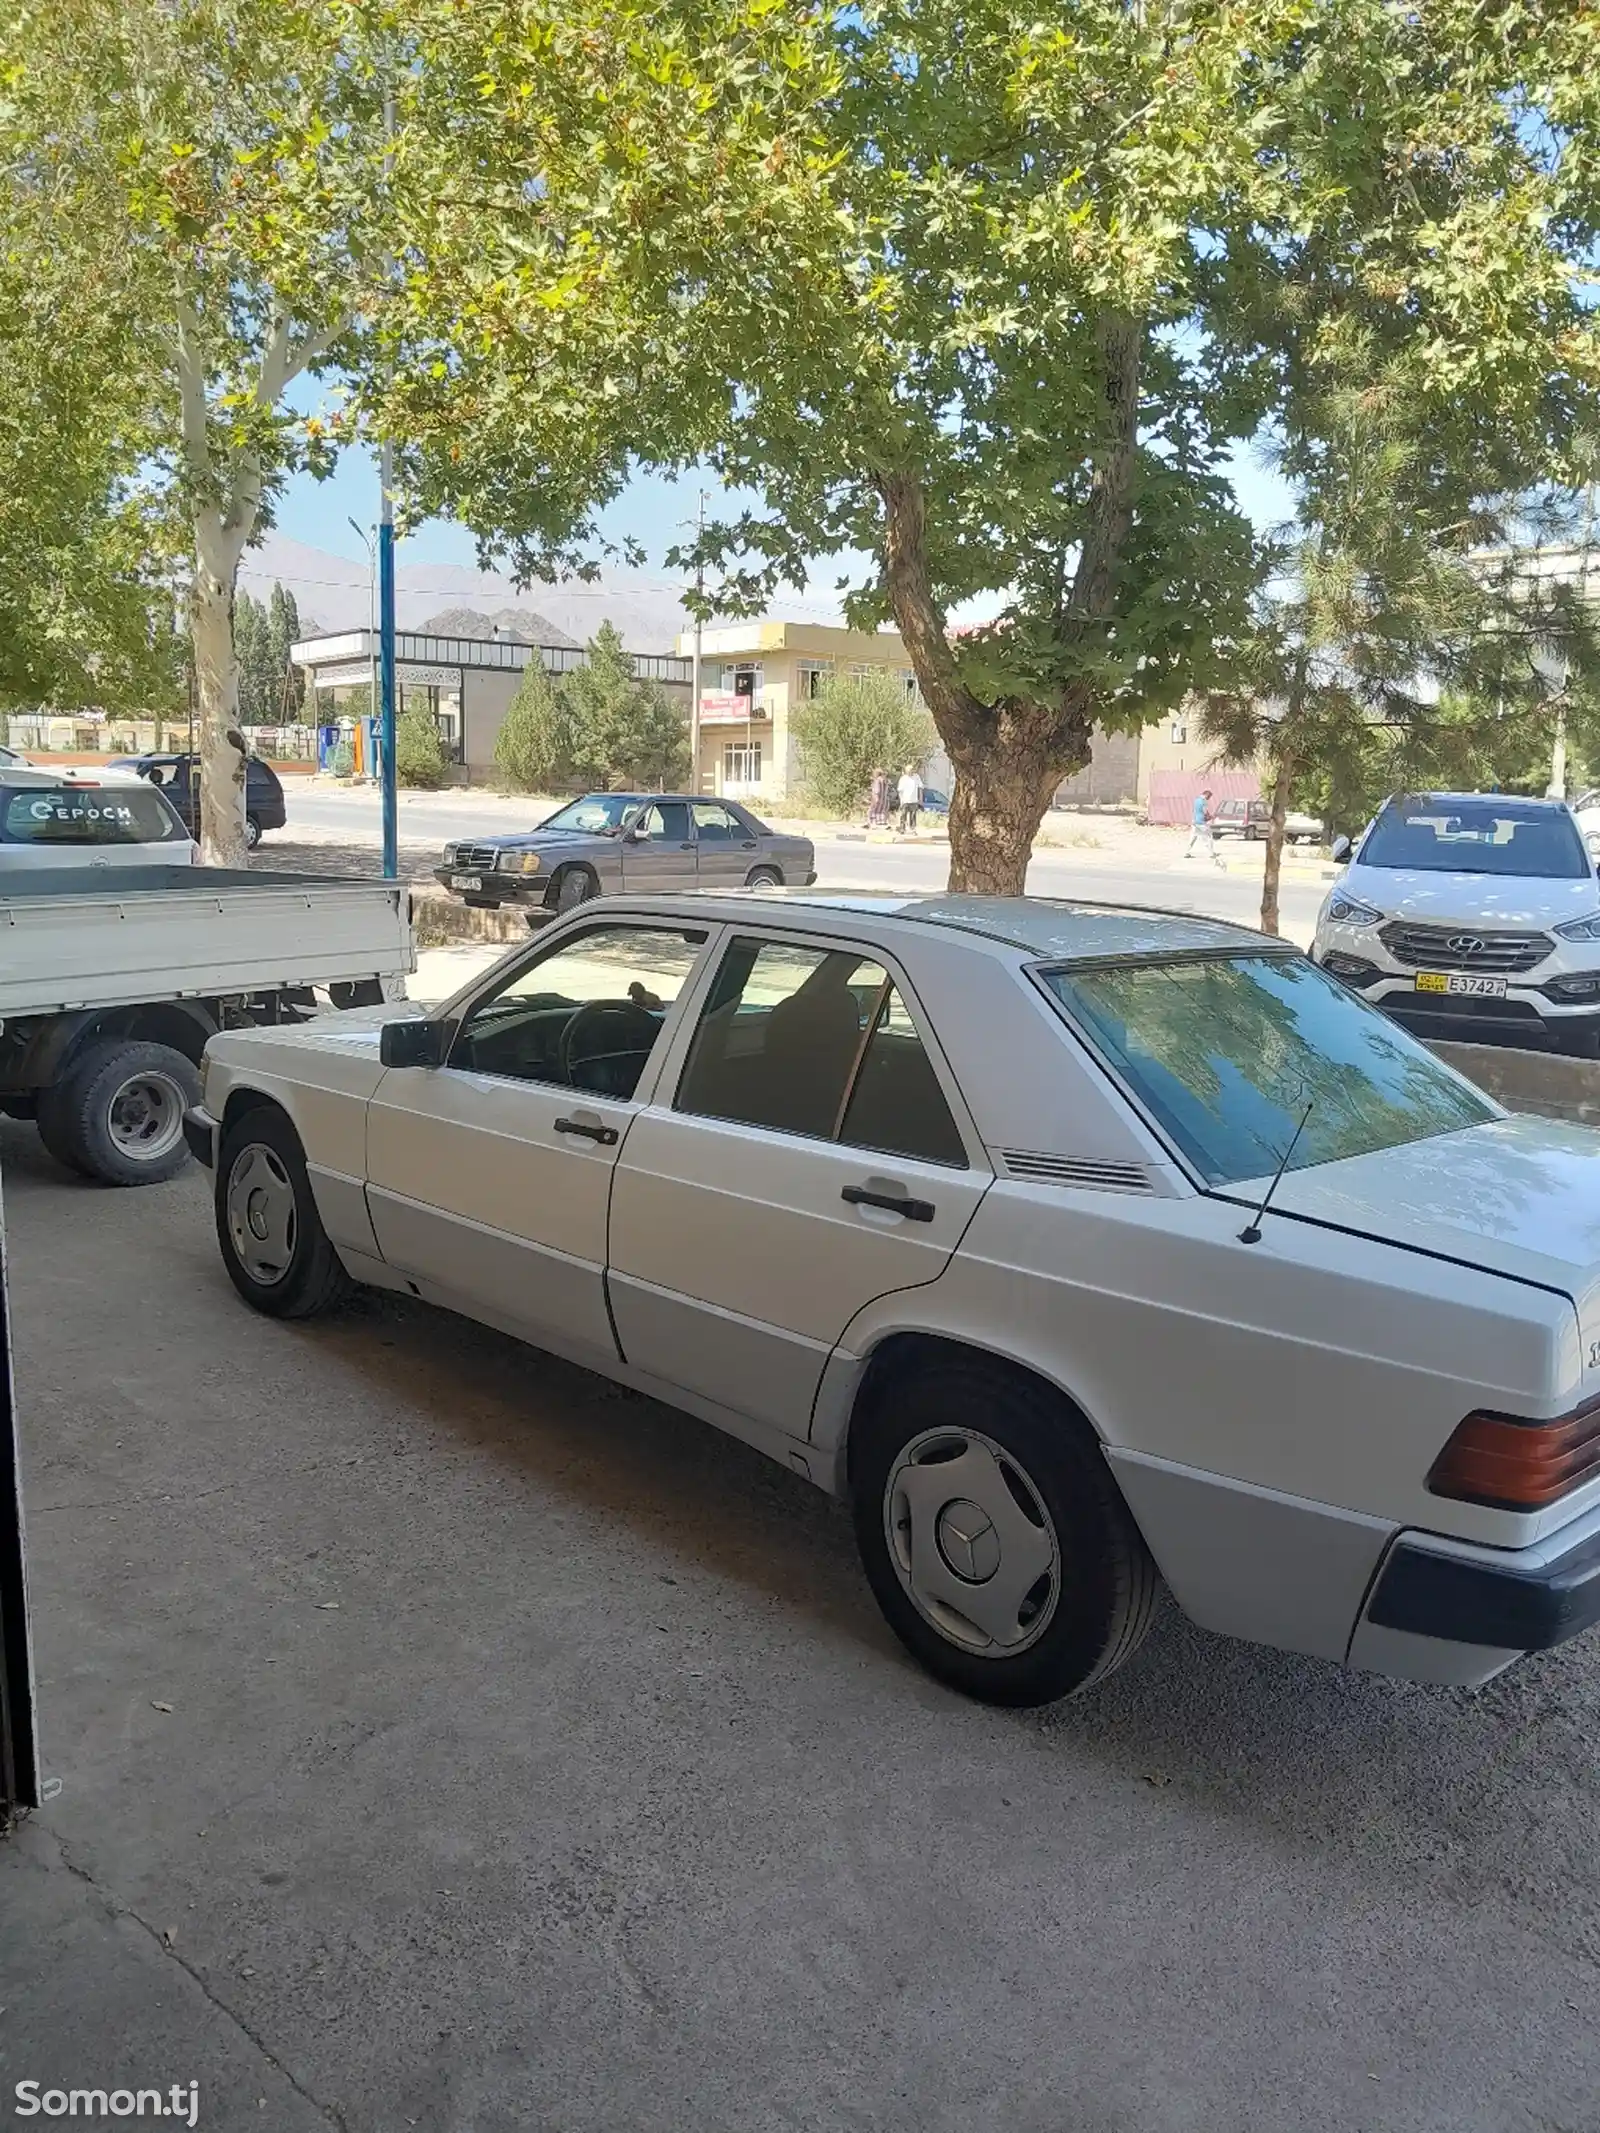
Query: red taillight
(1519,1466)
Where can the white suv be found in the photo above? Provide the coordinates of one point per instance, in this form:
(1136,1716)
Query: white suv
(1474,916)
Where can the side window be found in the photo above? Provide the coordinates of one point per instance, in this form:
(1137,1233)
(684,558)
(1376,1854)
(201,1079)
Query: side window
(897,1105)
(666,822)
(714,824)
(586,1015)
(816,1041)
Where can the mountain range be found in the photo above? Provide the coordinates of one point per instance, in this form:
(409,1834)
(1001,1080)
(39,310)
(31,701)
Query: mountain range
(334,593)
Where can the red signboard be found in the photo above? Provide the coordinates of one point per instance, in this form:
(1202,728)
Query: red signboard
(727,707)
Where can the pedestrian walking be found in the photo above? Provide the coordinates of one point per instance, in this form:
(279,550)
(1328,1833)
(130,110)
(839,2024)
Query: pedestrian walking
(878,800)
(909,793)
(1201,831)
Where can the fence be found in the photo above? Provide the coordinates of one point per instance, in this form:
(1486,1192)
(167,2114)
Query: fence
(42,733)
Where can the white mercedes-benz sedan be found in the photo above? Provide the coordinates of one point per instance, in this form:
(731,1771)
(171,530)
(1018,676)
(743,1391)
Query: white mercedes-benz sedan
(1079,1247)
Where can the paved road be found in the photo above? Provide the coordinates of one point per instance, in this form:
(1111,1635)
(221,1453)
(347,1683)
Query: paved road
(852,863)
(536,1759)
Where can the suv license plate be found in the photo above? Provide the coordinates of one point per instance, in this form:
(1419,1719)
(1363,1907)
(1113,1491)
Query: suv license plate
(475,881)
(1453,981)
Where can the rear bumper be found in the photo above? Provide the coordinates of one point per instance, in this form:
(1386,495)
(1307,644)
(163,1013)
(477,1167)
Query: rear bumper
(1517,1599)
(200,1131)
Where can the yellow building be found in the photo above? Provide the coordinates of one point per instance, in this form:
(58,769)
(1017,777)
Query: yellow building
(752,676)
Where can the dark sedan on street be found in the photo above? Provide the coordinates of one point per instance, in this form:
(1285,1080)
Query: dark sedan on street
(610,841)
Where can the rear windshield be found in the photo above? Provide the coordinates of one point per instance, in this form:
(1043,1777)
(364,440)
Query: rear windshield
(88,814)
(1479,836)
(1225,1054)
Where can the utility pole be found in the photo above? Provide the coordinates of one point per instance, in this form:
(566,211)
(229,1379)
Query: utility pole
(391,811)
(694,672)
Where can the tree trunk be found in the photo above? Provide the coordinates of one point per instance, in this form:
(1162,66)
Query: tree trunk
(1273,866)
(1003,786)
(221,745)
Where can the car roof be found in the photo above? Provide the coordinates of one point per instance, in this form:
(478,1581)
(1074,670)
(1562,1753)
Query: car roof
(1510,802)
(578,799)
(1053,929)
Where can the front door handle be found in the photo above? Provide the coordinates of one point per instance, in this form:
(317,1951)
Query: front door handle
(588,1130)
(893,1203)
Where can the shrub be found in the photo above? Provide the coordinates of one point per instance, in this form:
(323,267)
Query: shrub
(854,725)
(418,750)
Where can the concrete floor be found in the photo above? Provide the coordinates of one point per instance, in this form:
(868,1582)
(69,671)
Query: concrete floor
(536,1759)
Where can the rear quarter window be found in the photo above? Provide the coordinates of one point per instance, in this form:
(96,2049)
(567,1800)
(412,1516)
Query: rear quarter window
(88,815)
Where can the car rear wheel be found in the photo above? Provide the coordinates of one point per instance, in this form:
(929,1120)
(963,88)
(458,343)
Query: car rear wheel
(763,878)
(573,886)
(116,1114)
(273,1243)
(993,1536)
(252,832)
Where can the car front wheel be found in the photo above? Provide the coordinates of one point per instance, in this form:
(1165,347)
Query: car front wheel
(274,1246)
(573,886)
(993,1536)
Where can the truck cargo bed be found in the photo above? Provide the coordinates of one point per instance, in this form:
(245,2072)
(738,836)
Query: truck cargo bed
(101,936)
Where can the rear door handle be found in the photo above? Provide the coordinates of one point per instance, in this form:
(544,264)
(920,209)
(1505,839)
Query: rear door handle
(605,1135)
(892,1203)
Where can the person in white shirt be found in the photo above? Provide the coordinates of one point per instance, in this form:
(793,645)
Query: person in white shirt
(909,793)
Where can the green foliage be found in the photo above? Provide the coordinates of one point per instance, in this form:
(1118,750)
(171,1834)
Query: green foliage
(621,732)
(418,750)
(271,687)
(853,726)
(533,749)
(87,545)
(1005,293)
(343,760)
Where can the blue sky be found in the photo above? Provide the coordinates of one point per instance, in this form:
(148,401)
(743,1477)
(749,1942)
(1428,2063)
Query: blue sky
(651,509)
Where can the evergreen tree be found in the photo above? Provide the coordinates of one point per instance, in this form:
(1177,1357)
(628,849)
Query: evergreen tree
(288,680)
(418,751)
(250,637)
(622,731)
(533,749)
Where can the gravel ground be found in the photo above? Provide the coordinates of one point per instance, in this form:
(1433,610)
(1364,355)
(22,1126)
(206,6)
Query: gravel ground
(450,1740)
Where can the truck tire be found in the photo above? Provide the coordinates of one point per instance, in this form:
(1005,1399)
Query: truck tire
(356,992)
(116,1114)
(272,1240)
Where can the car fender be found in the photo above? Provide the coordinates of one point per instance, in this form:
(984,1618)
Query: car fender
(327,1106)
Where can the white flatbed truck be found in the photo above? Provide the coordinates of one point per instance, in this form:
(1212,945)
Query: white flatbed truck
(112,979)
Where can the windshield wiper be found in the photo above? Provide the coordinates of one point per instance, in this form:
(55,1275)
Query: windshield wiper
(1251,1233)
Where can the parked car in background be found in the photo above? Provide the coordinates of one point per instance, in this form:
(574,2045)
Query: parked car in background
(13,756)
(1586,813)
(610,841)
(1069,1244)
(935,802)
(1252,820)
(1471,915)
(178,776)
(86,819)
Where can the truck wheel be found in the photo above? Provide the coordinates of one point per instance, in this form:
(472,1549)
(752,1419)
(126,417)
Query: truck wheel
(117,1112)
(356,992)
(273,1243)
(993,1536)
